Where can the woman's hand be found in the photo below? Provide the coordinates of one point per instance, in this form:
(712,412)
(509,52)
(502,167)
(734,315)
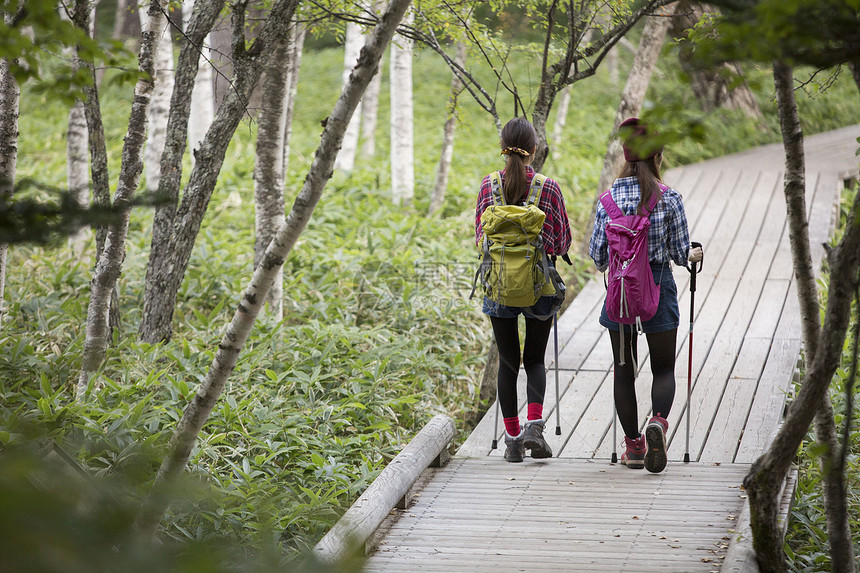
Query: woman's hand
(695,255)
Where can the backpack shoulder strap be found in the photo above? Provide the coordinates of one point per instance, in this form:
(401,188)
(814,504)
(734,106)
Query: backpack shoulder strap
(536,188)
(610,206)
(496,188)
(656,199)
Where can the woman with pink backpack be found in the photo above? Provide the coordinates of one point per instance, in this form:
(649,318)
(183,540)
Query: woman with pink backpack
(640,226)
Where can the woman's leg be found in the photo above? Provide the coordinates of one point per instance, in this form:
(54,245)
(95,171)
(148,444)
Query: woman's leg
(624,379)
(508,342)
(661,347)
(537,335)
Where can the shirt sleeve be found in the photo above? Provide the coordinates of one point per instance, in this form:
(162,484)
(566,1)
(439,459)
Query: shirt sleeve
(485,199)
(598,247)
(556,228)
(679,234)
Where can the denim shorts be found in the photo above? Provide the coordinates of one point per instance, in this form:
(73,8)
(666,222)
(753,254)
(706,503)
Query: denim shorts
(667,316)
(541,308)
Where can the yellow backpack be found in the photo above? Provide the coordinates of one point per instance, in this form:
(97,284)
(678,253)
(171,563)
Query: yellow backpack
(514,268)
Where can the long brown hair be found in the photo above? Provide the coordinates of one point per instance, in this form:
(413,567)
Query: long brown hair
(647,171)
(519,138)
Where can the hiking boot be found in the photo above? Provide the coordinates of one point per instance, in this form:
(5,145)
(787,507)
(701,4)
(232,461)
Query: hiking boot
(634,457)
(655,436)
(533,439)
(514,451)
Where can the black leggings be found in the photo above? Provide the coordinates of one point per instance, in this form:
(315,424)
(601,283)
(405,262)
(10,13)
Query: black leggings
(661,347)
(508,341)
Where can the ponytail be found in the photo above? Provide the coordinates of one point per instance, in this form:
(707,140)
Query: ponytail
(518,139)
(647,171)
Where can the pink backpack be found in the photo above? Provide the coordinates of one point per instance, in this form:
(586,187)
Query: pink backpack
(631,295)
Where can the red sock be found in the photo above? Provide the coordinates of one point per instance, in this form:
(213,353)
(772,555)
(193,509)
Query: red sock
(512,426)
(535,411)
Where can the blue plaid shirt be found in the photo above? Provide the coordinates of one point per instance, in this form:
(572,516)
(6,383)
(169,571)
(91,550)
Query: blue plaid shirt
(668,236)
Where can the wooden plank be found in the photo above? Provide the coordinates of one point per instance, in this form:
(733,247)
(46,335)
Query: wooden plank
(769,309)
(727,428)
(767,405)
(573,404)
(575,353)
(822,216)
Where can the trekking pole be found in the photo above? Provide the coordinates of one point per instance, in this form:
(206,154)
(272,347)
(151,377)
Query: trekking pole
(557,412)
(496,425)
(614,458)
(693,270)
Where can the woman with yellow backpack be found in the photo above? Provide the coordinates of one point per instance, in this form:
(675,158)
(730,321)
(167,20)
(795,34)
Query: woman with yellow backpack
(520,223)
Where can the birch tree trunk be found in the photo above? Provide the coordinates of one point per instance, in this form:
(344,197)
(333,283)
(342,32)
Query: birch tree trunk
(10,96)
(202,20)
(370,105)
(438,197)
(402,145)
(233,342)
(203,93)
(159,105)
(764,481)
(351,47)
(77,149)
(297,43)
(82,15)
(370,115)
(269,162)
(176,235)
(111,258)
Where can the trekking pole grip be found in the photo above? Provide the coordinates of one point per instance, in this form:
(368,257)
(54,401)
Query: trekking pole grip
(695,267)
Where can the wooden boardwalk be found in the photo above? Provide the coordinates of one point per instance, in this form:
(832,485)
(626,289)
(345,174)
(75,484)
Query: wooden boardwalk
(578,512)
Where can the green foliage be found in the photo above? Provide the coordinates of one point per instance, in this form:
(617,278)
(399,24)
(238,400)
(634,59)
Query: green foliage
(820,33)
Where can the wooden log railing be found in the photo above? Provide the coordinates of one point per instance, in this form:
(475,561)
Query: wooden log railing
(391,488)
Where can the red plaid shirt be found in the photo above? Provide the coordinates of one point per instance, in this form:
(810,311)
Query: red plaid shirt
(556,228)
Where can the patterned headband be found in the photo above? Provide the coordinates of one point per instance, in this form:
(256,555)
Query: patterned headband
(517,150)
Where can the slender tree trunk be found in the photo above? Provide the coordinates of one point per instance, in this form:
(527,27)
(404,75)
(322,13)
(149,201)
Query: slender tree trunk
(233,342)
(203,93)
(77,148)
(82,15)
(370,106)
(202,20)
(296,47)
(441,186)
(269,162)
(159,106)
(764,481)
(370,115)
(835,494)
(111,258)
(169,260)
(10,96)
(351,46)
(77,168)
(402,145)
